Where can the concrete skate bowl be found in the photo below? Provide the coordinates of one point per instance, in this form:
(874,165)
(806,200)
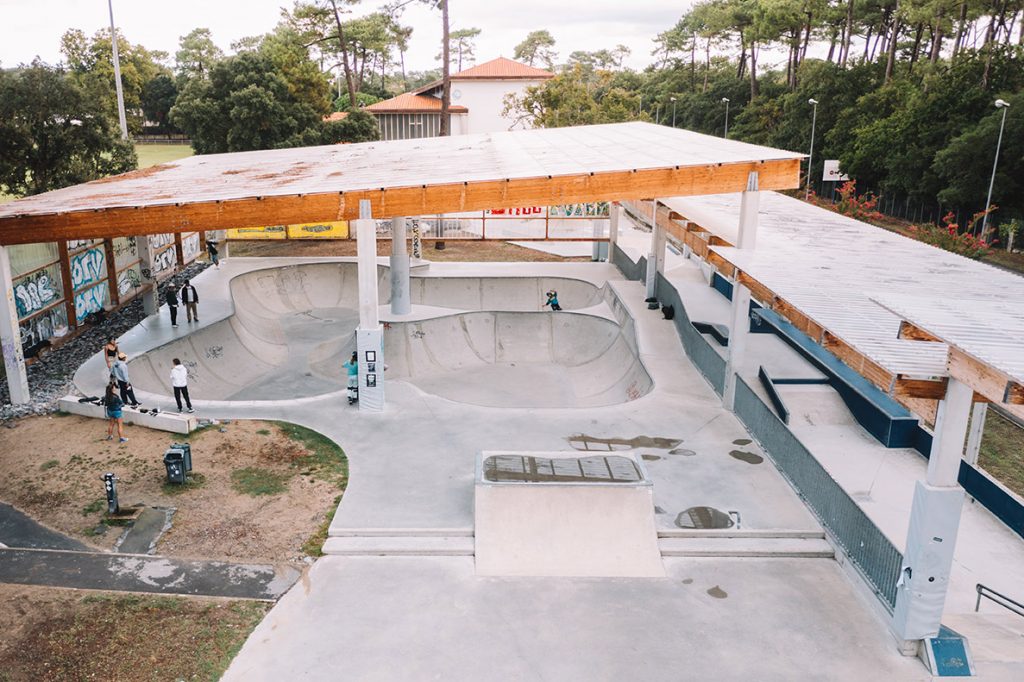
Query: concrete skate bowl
(519,359)
(294,326)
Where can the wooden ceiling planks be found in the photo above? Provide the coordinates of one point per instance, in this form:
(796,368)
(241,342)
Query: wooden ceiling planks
(400,178)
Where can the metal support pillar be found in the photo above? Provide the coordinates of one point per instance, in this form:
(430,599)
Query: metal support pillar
(400,295)
(739,318)
(150,292)
(370,334)
(599,251)
(614,216)
(934,522)
(976,432)
(656,257)
(10,335)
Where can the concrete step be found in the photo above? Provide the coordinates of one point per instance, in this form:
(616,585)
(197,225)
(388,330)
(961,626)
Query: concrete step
(404,545)
(400,532)
(735,533)
(810,548)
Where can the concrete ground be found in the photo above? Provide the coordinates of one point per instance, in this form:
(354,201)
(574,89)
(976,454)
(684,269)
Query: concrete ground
(429,617)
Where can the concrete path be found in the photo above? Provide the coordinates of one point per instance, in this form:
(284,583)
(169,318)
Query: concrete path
(142,535)
(20,530)
(138,573)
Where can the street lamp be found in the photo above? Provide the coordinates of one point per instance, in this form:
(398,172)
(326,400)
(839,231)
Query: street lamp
(1004,105)
(117,74)
(810,157)
(726,134)
(673,111)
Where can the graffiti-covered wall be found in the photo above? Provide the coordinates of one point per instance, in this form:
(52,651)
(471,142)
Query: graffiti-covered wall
(88,260)
(38,292)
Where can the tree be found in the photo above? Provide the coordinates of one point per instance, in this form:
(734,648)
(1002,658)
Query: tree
(52,134)
(158,96)
(461,42)
(537,48)
(272,97)
(197,54)
(572,98)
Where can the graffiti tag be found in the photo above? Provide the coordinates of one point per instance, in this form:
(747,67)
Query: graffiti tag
(33,293)
(88,267)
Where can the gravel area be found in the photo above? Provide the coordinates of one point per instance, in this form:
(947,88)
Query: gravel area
(50,379)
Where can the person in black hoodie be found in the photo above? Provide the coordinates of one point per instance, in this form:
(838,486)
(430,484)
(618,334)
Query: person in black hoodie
(171,296)
(189,298)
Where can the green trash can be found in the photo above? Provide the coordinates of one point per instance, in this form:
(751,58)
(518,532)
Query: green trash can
(174,461)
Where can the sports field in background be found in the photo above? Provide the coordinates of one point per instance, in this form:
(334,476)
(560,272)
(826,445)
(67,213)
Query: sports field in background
(152,154)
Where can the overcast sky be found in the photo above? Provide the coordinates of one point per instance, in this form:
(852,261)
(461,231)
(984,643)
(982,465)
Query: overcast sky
(30,28)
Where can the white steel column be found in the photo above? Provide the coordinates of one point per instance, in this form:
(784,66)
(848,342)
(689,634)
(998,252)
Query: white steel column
(600,228)
(656,257)
(934,521)
(614,215)
(150,295)
(400,295)
(976,432)
(370,335)
(739,318)
(10,334)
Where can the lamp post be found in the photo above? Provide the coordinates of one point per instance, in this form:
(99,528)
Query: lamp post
(810,157)
(673,111)
(117,74)
(726,133)
(1004,105)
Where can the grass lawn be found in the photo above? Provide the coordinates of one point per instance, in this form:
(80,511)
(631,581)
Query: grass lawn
(1002,451)
(152,154)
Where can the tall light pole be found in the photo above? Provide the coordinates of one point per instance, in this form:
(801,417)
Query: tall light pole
(673,111)
(117,74)
(1004,105)
(726,133)
(810,157)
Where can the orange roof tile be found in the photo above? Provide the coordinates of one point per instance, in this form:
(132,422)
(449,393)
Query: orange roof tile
(503,69)
(337,116)
(408,102)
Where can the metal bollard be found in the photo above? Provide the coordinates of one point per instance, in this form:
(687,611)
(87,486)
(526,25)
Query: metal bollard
(110,485)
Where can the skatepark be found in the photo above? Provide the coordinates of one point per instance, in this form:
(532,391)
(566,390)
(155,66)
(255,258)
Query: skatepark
(606,492)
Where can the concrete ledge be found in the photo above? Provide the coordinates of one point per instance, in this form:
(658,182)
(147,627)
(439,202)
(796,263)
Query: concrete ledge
(401,532)
(805,548)
(733,533)
(399,546)
(163,421)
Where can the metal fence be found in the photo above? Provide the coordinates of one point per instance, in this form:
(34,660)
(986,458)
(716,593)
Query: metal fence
(698,347)
(877,560)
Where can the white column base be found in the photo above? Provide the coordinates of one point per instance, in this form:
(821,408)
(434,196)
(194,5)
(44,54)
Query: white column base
(370,346)
(10,335)
(739,329)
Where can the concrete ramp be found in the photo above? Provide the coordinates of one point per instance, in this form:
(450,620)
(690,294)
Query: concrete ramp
(513,359)
(557,514)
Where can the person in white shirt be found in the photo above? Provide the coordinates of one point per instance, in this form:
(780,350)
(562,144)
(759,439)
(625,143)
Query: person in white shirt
(179,382)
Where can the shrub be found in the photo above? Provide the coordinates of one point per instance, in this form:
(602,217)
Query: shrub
(949,237)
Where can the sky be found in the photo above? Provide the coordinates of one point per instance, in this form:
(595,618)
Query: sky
(30,28)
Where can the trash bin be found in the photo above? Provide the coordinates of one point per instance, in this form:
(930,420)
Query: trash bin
(186,451)
(174,461)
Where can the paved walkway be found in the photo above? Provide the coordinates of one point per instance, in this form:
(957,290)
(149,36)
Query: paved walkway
(139,573)
(17,529)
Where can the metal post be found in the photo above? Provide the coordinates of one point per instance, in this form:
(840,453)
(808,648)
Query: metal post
(10,335)
(400,294)
(739,318)
(726,133)
(369,335)
(652,256)
(673,112)
(117,74)
(810,157)
(976,432)
(614,215)
(1004,105)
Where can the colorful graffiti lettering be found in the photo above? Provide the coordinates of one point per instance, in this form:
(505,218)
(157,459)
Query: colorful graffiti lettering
(34,293)
(75,244)
(164,260)
(158,240)
(42,327)
(127,280)
(90,301)
(88,267)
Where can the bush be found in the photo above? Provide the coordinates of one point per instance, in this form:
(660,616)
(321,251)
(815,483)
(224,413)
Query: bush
(949,237)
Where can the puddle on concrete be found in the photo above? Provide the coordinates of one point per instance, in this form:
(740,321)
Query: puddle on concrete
(682,451)
(703,517)
(527,469)
(748,457)
(582,441)
(742,441)
(650,458)
(687,581)
(718,593)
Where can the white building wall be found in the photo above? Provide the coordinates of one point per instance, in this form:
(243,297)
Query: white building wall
(485,100)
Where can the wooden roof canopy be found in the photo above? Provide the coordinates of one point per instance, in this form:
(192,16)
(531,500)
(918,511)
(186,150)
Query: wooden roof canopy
(400,178)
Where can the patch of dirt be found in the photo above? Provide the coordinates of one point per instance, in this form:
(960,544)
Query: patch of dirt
(74,635)
(212,521)
(472,251)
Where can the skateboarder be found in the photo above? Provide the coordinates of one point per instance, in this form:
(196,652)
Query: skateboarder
(553,300)
(171,295)
(119,372)
(179,382)
(114,405)
(353,377)
(211,250)
(189,298)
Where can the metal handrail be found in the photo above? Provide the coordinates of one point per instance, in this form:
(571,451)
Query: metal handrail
(995,597)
